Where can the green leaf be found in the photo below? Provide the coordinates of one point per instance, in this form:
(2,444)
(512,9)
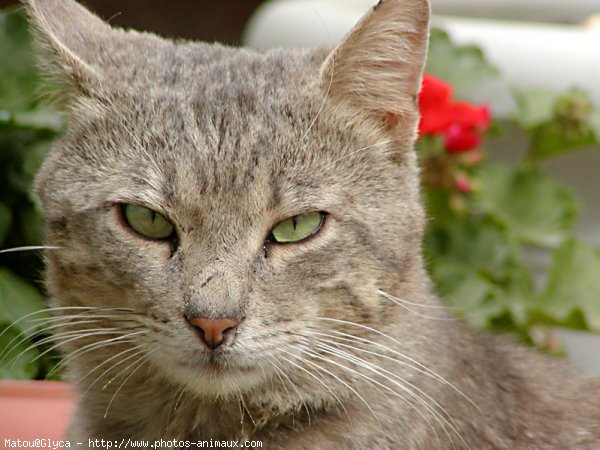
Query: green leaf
(17,362)
(534,107)
(517,294)
(554,139)
(17,299)
(480,245)
(18,74)
(31,223)
(5,221)
(19,78)
(532,206)
(557,124)
(595,123)
(464,67)
(24,160)
(573,285)
(465,290)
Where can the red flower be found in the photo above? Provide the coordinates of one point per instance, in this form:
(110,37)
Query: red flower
(434,98)
(460,123)
(458,138)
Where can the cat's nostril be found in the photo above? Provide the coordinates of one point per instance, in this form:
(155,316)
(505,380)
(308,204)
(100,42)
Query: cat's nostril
(213,331)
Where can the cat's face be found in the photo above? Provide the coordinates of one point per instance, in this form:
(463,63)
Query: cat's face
(225,145)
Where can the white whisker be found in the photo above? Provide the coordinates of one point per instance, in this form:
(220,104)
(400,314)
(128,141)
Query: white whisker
(362,350)
(28,248)
(241,397)
(79,334)
(404,303)
(139,350)
(353,152)
(420,305)
(140,363)
(318,379)
(56,309)
(179,397)
(401,383)
(322,104)
(95,346)
(300,397)
(373,330)
(25,336)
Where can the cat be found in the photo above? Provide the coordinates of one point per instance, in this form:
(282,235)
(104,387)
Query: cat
(237,256)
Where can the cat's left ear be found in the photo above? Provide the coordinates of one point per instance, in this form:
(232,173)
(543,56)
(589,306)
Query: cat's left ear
(378,66)
(80,52)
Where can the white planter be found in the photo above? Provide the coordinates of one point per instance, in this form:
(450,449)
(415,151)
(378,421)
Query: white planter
(557,11)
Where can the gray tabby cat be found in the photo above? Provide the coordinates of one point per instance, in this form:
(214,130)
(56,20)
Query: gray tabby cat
(239,254)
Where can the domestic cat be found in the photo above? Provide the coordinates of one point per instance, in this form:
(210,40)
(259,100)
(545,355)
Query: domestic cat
(237,238)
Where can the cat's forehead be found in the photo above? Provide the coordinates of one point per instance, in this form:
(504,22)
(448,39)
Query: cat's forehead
(213,74)
(234,129)
(238,95)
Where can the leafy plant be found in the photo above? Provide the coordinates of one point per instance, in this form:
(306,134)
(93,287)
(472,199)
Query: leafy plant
(557,124)
(27,127)
(486,216)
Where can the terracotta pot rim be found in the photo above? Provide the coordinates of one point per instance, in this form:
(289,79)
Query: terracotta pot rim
(37,389)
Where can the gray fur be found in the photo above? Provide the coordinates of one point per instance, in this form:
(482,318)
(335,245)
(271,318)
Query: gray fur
(226,143)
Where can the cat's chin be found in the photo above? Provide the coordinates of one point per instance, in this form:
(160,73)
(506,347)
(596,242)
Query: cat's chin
(215,379)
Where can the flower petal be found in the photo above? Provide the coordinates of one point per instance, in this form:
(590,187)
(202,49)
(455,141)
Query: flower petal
(458,139)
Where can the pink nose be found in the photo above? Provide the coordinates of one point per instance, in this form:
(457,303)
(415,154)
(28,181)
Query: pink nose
(213,331)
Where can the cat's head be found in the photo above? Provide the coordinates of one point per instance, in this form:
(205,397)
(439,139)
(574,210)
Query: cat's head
(262,198)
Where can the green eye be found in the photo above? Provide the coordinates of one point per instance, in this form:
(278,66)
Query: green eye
(146,222)
(298,228)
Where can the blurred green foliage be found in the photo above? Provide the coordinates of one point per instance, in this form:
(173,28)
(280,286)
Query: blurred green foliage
(557,124)
(477,250)
(463,67)
(27,128)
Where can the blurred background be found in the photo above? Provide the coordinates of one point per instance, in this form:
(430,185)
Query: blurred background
(224,21)
(190,19)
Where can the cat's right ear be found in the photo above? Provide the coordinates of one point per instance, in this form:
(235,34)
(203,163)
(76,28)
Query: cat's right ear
(378,66)
(76,45)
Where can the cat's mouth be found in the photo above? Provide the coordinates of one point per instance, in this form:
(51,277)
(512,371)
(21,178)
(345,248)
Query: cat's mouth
(220,371)
(219,362)
(215,374)
(225,363)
